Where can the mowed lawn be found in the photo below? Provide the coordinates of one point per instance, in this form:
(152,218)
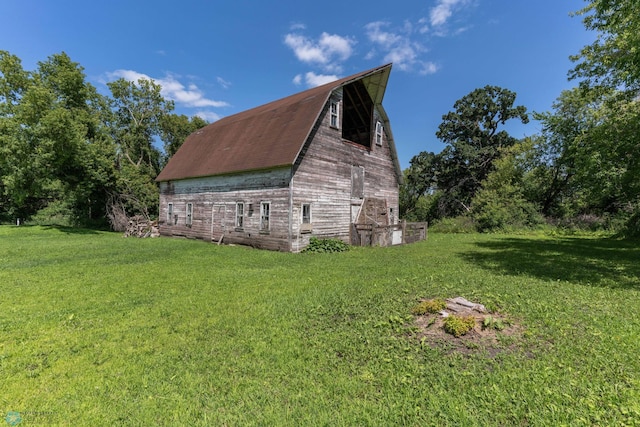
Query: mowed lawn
(96,329)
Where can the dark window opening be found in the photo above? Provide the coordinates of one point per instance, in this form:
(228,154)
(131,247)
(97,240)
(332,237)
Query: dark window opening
(357,114)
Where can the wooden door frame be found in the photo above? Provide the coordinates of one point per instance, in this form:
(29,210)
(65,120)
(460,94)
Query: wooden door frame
(213,218)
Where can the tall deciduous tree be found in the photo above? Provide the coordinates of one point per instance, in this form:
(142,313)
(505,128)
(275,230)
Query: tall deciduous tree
(560,172)
(175,129)
(138,110)
(610,68)
(613,59)
(49,120)
(475,140)
(419,179)
(502,201)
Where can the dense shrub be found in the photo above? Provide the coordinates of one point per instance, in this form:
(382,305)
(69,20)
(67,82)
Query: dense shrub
(631,228)
(459,224)
(495,211)
(326,245)
(57,212)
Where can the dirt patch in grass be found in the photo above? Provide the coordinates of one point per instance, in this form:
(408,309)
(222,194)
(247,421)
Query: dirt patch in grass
(492,333)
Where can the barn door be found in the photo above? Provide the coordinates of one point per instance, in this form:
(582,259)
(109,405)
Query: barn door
(357,182)
(218,222)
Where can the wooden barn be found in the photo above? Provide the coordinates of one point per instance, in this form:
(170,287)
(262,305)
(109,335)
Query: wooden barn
(316,163)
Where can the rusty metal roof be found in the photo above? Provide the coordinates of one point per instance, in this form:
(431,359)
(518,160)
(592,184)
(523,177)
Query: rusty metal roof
(264,137)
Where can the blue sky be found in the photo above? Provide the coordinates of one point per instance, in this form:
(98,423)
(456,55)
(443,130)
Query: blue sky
(216,58)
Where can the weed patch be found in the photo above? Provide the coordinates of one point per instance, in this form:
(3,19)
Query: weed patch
(458,325)
(430,306)
(326,245)
(463,326)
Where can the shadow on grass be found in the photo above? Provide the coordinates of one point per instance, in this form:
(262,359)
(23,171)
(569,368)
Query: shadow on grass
(72,230)
(599,262)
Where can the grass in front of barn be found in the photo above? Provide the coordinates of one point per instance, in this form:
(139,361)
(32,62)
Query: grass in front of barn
(96,329)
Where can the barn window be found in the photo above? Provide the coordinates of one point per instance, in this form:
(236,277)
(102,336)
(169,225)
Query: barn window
(170,213)
(306,213)
(335,115)
(239,215)
(265,208)
(379,130)
(189,218)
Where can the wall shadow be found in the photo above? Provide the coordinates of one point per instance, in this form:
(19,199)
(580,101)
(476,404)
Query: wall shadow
(597,262)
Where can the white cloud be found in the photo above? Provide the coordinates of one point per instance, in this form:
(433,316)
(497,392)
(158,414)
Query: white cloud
(312,79)
(304,49)
(397,45)
(328,52)
(130,75)
(171,88)
(377,35)
(429,68)
(443,11)
(209,116)
(423,28)
(222,82)
(403,56)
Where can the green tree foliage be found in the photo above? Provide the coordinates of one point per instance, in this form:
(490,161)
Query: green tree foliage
(138,110)
(175,129)
(66,150)
(420,180)
(444,184)
(50,120)
(561,152)
(609,70)
(613,59)
(475,140)
(588,163)
(502,202)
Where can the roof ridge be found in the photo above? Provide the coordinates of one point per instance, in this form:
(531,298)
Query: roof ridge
(327,87)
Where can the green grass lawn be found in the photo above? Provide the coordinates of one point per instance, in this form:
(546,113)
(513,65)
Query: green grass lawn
(96,329)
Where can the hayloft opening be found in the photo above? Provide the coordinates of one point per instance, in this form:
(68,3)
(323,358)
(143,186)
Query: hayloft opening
(358,113)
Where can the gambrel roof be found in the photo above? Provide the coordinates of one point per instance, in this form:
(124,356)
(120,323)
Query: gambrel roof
(268,136)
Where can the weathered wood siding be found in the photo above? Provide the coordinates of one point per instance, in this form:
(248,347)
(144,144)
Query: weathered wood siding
(323,178)
(327,172)
(214,202)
